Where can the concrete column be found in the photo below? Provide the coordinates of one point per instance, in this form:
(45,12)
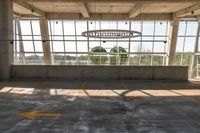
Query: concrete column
(45,42)
(173,34)
(6,37)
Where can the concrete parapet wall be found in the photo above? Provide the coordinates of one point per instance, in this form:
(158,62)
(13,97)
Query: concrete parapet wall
(100,72)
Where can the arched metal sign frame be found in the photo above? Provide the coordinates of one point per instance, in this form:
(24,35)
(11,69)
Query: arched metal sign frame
(111,34)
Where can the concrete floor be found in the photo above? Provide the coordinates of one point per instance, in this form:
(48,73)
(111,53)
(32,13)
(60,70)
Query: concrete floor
(111,106)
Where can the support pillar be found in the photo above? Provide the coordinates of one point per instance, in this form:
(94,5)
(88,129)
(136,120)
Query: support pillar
(45,41)
(173,34)
(6,37)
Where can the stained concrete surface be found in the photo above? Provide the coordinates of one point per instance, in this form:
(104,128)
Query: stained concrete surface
(110,106)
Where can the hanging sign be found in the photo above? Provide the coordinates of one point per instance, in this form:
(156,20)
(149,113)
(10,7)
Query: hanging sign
(111,34)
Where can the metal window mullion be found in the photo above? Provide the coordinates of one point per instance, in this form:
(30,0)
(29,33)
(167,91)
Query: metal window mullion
(76,41)
(63,34)
(165,44)
(88,43)
(129,44)
(153,42)
(32,37)
(100,41)
(140,51)
(194,61)
(117,56)
(181,62)
(51,36)
(88,37)
(21,43)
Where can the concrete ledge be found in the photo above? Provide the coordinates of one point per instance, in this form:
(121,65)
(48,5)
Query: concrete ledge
(100,72)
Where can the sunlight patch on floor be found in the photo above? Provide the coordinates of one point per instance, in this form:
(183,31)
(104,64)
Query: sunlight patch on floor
(17,90)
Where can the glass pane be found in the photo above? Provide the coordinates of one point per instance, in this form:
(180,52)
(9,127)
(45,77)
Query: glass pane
(70,46)
(135,47)
(124,44)
(82,46)
(38,44)
(123,25)
(161,28)
(134,60)
(31,58)
(186,60)
(147,46)
(94,25)
(69,27)
(157,60)
(81,26)
(136,25)
(56,28)
(82,59)
(179,45)
(58,44)
(108,45)
(108,25)
(177,59)
(199,44)
(189,44)
(160,44)
(192,28)
(159,47)
(25,27)
(93,44)
(182,28)
(59,59)
(145,60)
(36,27)
(28,43)
(148,28)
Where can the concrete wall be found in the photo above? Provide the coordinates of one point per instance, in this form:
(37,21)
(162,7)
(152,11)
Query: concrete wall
(100,72)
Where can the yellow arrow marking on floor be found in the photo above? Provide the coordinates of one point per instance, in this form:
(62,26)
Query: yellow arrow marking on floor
(33,115)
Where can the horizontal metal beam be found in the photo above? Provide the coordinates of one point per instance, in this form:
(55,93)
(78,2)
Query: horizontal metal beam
(33,10)
(84,10)
(117,1)
(108,16)
(99,53)
(190,11)
(135,11)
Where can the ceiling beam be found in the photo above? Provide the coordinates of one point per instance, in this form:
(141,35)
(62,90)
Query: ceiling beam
(33,10)
(117,1)
(83,9)
(15,14)
(108,16)
(135,11)
(190,11)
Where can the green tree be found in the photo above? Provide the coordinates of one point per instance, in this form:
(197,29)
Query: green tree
(98,58)
(122,58)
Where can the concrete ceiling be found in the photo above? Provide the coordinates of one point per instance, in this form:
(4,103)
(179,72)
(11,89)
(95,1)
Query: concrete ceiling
(130,8)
